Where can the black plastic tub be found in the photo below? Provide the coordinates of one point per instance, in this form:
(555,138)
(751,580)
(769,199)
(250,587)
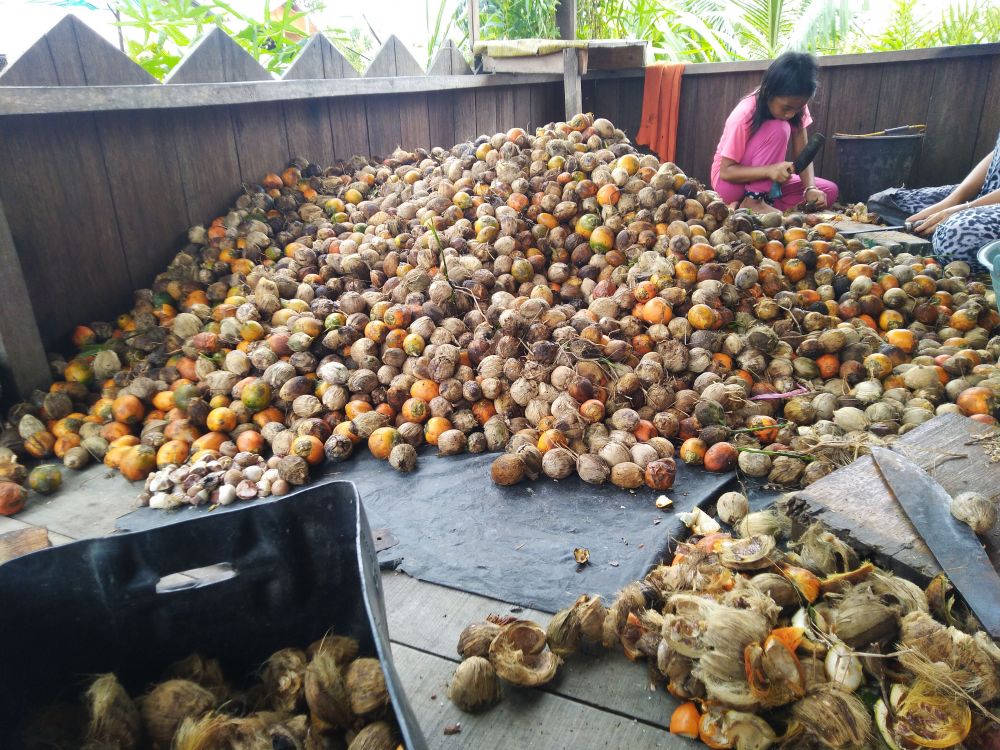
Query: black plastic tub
(297,567)
(869,164)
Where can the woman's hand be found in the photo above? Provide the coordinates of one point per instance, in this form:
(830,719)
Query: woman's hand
(816,197)
(933,209)
(781,171)
(929,222)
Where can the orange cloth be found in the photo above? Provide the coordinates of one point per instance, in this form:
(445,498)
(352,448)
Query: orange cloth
(661,100)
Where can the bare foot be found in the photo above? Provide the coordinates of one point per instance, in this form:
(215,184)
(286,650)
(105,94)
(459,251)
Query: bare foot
(757,206)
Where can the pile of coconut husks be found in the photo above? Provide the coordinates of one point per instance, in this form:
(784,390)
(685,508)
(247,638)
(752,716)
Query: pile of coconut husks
(770,642)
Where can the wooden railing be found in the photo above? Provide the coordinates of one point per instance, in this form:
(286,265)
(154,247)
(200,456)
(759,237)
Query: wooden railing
(105,168)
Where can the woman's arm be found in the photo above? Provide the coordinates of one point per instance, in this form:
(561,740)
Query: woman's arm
(966,191)
(936,217)
(812,193)
(734,172)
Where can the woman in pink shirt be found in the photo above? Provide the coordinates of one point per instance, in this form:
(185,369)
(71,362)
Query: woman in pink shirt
(754,144)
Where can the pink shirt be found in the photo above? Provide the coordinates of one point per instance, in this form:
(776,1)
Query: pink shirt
(736,133)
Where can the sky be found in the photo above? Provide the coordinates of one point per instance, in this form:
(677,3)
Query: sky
(26,20)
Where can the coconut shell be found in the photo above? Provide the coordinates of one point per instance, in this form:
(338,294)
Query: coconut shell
(168,704)
(114,719)
(198,669)
(366,686)
(518,654)
(474,687)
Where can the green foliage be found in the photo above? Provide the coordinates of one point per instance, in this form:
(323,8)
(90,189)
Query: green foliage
(969,23)
(156,33)
(518,19)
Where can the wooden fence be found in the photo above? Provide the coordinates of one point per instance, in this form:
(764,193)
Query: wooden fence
(955,91)
(105,169)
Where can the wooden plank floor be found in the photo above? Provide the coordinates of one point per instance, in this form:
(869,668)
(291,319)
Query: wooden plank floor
(597,701)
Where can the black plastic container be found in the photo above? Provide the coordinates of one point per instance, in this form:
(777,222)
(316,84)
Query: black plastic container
(301,565)
(868,164)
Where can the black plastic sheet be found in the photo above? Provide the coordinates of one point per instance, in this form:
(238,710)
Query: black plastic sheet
(458,529)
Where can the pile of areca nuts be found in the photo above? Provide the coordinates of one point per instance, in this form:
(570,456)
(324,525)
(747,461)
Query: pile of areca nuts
(556,296)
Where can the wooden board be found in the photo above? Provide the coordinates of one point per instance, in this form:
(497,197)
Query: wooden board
(430,618)
(855,503)
(525,719)
(22,541)
(895,240)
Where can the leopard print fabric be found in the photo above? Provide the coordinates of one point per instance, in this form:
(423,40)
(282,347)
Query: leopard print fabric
(962,235)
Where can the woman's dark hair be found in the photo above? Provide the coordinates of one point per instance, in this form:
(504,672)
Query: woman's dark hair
(791,74)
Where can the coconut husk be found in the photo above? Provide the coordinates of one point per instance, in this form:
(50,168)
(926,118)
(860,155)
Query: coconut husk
(326,692)
(833,717)
(842,451)
(518,655)
(205,672)
(824,553)
(114,718)
(947,657)
(474,687)
(476,638)
(629,599)
(218,732)
(283,679)
(377,736)
(167,705)
(366,687)
(343,648)
(564,632)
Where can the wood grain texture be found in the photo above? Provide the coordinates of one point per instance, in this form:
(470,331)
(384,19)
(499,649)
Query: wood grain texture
(23,364)
(349,122)
(430,618)
(62,218)
(216,58)
(141,159)
(206,153)
(505,108)
(957,102)
(851,108)
(572,97)
(309,132)
(22,541)
(464,109)
(989,123)
(486,113)
(855,503)
(261,140)
(522,108)
(414,122)
(525,719)
(630,106)
(605,100)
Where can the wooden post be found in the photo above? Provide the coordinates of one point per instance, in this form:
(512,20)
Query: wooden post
(566,19)
(473,25)
(23,364)
(573,96)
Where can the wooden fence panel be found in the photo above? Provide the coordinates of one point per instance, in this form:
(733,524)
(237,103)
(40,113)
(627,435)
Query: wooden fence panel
(307,123)
(386,113)
(446,109)
(989,123)
(956,106)
(58,194)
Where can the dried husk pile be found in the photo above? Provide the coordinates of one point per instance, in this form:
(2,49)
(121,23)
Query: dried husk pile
(323,698)
(803,648)
(556,296)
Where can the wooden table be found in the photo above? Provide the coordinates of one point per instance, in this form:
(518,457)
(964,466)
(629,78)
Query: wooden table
(599,701)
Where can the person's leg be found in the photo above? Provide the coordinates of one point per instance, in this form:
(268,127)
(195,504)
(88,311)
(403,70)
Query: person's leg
(917,199)
(962,235)
(730,192)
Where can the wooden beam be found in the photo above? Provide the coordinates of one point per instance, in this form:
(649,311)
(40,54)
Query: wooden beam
(24,100)
(22,541)
(566,19)
(473,6)
(866,58)
(572,94)
(23,364)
